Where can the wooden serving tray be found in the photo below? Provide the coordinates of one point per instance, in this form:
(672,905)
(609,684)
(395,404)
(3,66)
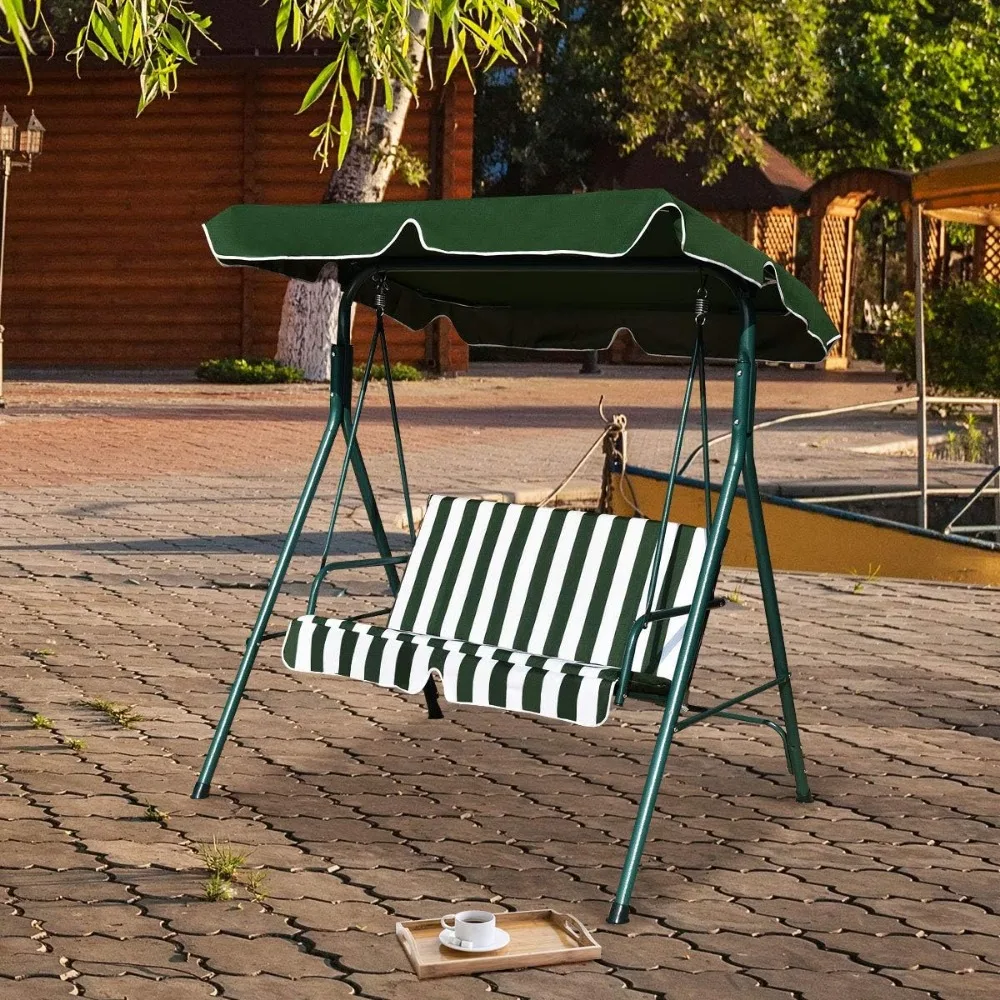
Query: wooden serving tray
(537,937)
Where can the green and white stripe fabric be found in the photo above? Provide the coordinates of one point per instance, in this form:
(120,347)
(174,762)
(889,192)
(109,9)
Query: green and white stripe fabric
(517,607)
(472,673)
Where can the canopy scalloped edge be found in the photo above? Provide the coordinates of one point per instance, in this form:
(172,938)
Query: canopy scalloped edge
(770,274)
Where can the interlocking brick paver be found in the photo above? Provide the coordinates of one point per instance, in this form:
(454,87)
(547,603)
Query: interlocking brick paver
(265,987)
(703,985)
(143,988)
(861,985)
(948,985)
(141,576)
(554,986)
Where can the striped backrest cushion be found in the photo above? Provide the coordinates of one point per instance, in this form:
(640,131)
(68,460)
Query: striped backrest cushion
(562,583)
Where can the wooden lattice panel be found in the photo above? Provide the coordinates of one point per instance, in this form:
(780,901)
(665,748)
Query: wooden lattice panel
(775,233)
(833,263)
(934,251)
(988,262)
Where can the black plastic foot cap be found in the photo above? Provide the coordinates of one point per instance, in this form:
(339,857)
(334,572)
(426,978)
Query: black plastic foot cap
(618,914)
(201,790)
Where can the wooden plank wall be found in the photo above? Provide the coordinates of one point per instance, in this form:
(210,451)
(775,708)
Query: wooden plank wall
(106,260)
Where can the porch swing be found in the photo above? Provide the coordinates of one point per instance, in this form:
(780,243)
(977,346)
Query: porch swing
(557,613)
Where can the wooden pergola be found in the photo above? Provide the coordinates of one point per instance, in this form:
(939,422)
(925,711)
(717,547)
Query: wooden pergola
(836,201)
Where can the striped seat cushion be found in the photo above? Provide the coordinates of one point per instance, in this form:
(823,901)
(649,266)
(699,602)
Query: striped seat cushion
(518,607)
(472,674)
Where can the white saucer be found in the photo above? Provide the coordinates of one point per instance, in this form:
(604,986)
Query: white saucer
(448,939)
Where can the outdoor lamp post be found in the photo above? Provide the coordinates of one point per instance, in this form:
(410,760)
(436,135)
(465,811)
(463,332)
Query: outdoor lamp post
(17,151)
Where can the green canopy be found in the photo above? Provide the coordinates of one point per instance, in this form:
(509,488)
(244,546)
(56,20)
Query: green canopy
(556,271)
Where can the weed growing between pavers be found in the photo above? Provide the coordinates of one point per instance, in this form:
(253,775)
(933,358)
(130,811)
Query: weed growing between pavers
(218,889)
(122,715)
(221,859)
(41,722)
(871,577)
(155,815)
(224,865)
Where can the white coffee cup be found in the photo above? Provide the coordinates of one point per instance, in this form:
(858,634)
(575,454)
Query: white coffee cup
(472,928)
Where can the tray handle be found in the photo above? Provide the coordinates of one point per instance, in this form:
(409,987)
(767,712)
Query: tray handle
(572,926)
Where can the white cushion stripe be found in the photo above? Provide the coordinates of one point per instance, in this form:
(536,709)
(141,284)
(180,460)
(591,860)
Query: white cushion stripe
(413,563)
(642,644)
(555,580)
(584,588)
(460,591)
(527,561)
(615,597)
(439,566)
(484,610)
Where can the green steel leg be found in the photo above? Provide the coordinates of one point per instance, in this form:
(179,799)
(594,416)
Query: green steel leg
(333,423)
(793,745)
(339,392)
(742,418)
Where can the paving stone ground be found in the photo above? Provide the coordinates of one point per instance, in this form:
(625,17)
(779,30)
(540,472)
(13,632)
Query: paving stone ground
(139,522)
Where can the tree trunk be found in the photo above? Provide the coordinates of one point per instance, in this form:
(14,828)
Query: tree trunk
(309,312)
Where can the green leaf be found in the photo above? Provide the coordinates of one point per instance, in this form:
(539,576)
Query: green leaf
(102,30)
(457,55)
(97,50)
(346,125)
(354,72)
(319,85)
(281,24)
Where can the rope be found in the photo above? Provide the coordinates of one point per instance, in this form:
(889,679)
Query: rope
(613,438)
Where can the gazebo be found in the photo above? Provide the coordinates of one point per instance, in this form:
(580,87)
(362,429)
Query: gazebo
(965,189)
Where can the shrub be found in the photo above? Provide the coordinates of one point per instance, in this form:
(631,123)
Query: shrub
(400,373)
(247,370)
(962,334)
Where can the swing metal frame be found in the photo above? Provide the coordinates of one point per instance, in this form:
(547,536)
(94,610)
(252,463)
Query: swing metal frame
(343,420)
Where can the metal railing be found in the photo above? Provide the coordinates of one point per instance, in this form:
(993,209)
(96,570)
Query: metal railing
(922,491)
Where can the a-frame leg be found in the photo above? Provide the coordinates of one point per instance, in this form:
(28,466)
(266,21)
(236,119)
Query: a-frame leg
(793,745)
(333,424)
(693,632)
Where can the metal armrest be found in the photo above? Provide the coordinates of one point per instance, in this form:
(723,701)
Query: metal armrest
(361,563)
(642,622)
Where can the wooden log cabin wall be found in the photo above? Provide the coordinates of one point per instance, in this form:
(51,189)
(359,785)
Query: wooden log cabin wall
(106,261)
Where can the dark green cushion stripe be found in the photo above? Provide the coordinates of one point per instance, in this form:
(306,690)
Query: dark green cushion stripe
(601,589)
(539,577)
(507,574)
(428,549)
(445,594)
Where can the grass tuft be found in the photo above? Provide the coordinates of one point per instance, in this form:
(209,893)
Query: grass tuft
(76,745)
(255,883)
(41,722)
(122,715)
(862,581)
(155,815)
(218,889)
(221,859)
